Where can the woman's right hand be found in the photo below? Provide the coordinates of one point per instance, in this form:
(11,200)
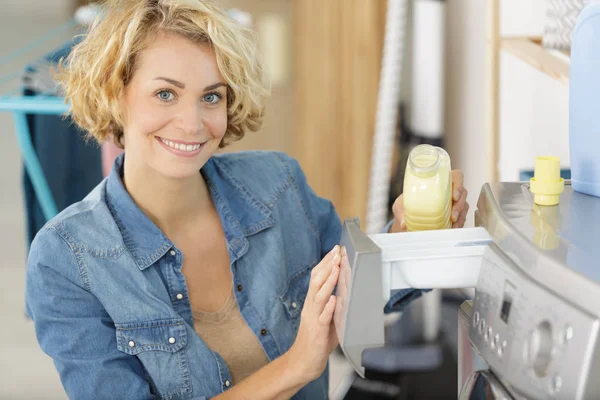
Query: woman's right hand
(317,337)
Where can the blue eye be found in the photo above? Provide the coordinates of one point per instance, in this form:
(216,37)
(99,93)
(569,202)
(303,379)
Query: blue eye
(212,98)
(165,95)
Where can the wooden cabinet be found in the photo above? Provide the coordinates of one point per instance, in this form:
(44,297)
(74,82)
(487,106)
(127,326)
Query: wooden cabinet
(337,60)
(324,114)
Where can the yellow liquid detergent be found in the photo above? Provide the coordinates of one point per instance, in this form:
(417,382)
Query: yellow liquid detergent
(428,189)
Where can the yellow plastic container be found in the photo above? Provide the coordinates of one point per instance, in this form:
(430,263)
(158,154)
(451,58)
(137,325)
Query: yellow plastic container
(546,184)
(428,189)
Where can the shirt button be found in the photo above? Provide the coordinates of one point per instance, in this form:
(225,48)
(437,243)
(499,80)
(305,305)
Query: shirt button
(179,296)
(227,383)
(240,288)
(131,343)
(263,332)
(171,340)
(172,252)
(294,305)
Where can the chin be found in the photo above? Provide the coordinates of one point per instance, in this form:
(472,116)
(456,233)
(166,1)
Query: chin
(179,173)
(175,166)
(180,169)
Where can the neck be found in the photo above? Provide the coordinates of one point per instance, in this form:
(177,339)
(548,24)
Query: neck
(169,203)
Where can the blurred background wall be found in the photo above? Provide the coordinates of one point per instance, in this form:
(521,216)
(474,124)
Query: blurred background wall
(39,10)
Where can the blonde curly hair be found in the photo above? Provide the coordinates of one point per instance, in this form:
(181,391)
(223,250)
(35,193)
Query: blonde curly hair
(95,73)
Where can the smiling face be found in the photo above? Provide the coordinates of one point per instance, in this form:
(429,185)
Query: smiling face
(174,107)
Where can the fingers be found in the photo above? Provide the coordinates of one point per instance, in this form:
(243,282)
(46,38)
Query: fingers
(321,272)
(327,314)
(398,207)
(327,259)
(326,290)
(458,179)
(459,205)
(398,210)
(462,218)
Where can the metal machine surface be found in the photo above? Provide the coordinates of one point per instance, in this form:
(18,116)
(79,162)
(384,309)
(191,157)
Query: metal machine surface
(536,313)
(537,305)
(475,381)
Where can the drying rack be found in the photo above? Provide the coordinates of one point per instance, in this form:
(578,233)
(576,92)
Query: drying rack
(12,99)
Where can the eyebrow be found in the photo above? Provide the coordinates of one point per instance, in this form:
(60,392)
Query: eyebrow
(182,85)
(213,87)
(171,81)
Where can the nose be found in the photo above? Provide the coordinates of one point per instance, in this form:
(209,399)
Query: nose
(191,119)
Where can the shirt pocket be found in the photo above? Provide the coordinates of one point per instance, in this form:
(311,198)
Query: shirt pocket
(161,347)
(295,295)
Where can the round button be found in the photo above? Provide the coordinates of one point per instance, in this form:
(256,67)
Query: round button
(171,340)
(488,334)
(476,318)
(179,296)
(482,326)
(496,341)
(172,252)
(131,343)
(500,351)
(568,335)
(539,348)
(227,383)
(239,288)
(263,332)
(294,304)
(556,383)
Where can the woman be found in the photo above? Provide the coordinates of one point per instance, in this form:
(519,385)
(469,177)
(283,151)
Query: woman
(185,275)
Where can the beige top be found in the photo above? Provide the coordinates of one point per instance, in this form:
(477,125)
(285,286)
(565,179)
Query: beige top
(226,332)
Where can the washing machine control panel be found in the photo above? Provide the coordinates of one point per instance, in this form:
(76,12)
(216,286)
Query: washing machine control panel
(538,344)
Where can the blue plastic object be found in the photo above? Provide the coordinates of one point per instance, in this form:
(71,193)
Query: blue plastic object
(34,104)
(20,106)
(584,108)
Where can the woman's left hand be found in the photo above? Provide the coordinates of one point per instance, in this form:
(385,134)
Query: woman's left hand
(460,207)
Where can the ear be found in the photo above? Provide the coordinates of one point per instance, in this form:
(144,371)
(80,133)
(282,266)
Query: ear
(121,100)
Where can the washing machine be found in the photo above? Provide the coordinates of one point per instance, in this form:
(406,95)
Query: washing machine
(531,331)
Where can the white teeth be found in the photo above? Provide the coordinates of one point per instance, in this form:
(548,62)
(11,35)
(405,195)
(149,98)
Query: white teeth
(181,147)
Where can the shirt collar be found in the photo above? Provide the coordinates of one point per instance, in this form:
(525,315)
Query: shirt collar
(242,214)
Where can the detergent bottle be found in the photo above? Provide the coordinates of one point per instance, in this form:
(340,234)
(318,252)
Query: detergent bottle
(427,189)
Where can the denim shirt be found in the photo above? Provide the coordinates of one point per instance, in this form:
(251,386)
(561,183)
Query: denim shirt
(110,303)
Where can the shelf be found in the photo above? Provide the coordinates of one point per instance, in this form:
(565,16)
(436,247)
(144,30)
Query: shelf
(554,63)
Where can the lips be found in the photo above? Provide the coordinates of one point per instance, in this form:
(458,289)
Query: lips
(180,148)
